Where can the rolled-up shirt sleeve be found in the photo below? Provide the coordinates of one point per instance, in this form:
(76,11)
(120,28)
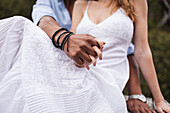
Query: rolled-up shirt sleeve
(131,49)
(42,8)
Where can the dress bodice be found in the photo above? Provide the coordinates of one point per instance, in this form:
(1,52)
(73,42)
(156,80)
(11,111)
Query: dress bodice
(117,32)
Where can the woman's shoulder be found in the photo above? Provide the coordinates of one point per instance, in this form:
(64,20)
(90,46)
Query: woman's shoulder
(80,5)
(141,8)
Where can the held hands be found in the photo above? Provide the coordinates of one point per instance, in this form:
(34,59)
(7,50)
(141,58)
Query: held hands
(84,49)
(86,64)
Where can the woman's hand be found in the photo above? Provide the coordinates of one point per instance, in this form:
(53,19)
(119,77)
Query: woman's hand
(93,59)
(80,47)
(162,107)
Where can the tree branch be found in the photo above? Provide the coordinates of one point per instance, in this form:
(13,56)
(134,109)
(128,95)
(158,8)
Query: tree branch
(166,16)
(166,4)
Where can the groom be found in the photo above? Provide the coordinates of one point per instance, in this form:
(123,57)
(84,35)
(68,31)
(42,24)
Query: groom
(51,15)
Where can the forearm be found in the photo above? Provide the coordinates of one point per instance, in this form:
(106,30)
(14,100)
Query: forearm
(146,65)
(133,84)
(48,25)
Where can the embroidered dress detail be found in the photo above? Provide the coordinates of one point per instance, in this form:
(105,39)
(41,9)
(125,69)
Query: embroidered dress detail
(35,77)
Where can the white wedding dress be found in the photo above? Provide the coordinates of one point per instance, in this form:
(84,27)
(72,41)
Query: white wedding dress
(36,77)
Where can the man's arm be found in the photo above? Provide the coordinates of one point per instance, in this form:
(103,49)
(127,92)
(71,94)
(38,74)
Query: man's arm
(80,46)
(133,86)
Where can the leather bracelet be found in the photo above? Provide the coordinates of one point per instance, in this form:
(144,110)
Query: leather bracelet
(68,44)
(65,40)
(53,37)
(58,44)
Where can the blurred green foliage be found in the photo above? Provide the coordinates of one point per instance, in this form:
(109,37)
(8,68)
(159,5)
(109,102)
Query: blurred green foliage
(16,7)
(159,38)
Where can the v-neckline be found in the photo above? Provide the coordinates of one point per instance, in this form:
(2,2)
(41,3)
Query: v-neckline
(103,20)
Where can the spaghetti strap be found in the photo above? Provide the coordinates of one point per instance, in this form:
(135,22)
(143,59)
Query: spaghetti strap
(87,7)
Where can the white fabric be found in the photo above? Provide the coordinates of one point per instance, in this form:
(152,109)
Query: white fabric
(117,32)
(35,77)
(113,70)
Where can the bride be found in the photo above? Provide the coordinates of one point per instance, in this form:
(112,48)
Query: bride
(36,77)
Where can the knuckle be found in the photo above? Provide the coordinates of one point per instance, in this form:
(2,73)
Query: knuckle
(89,60)
(83,45)
(78,51)
(74,55)
(80,63)
(88,39)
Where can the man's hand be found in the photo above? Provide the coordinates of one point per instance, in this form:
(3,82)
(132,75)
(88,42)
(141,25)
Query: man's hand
(81,47)
(137,106)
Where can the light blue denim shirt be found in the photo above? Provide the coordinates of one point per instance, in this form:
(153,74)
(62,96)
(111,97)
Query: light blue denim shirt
(53,8)
(57,10)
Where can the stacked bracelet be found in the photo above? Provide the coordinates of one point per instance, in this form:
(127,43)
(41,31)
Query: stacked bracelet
(57,45)
(66,38)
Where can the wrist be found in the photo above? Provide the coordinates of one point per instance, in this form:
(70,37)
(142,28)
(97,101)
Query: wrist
(60,37)
(159,99)
(56,43)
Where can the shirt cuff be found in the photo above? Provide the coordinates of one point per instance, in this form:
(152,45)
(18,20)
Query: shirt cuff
(131,49)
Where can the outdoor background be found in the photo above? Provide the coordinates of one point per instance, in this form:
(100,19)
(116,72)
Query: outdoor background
(159,36)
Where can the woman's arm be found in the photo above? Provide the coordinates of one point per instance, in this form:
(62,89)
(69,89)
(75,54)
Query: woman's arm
(143,53)
(43,14)
(78,12)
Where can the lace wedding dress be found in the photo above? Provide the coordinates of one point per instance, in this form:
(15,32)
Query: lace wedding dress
(36,77)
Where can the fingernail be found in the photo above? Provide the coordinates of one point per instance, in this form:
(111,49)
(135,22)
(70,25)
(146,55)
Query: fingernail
(100,58)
